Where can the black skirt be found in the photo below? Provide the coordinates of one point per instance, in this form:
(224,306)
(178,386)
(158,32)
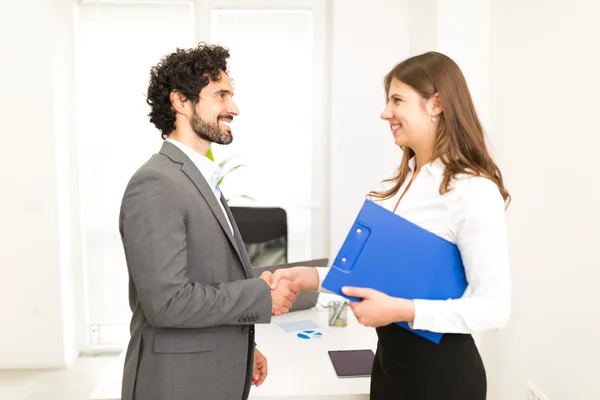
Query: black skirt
(408,367)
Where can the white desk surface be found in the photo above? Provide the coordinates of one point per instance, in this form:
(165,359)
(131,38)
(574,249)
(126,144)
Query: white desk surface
(298,368)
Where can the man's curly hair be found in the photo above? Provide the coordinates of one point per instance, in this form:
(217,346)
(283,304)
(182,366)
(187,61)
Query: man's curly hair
(186,71)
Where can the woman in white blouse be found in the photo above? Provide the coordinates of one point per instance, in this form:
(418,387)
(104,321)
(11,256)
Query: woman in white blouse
(448,184)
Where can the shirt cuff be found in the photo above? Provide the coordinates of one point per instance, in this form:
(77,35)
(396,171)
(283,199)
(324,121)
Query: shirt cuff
(424,315)
(322,271)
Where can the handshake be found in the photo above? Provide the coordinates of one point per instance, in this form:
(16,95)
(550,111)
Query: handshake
(286,283)
(283,291)
(375,308)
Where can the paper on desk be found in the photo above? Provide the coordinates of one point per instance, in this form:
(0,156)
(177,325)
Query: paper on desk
(298,325)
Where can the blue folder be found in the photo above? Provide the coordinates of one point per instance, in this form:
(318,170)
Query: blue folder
(385,252)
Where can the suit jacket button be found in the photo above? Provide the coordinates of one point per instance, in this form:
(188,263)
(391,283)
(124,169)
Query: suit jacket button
(245,329)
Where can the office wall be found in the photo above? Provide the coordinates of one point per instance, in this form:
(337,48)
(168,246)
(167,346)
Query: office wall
(36,297)
(366,44)
(545,59)
(463,31)
(423,19)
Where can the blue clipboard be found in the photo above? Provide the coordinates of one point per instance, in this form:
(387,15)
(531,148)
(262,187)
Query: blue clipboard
(385,252)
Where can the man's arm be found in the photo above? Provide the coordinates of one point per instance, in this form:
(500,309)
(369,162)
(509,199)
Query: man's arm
(154,238)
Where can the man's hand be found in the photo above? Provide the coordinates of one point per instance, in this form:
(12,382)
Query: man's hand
(283,296)
(267,276)
(259,372)
(378,309)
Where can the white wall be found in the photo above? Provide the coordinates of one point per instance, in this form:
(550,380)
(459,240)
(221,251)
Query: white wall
(69,228)
(366,44)
(423,26)
(460,29)
(36,306)
(368,39)
(544,107)
(463,33)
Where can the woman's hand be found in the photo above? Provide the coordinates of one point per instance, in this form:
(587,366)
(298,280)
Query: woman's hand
(306,277)
(378,309)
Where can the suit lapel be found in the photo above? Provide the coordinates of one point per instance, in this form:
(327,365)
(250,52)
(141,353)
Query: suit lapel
(192,172)
(238,238)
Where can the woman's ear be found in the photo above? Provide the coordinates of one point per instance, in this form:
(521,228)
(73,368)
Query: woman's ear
(179,102)
(436,106)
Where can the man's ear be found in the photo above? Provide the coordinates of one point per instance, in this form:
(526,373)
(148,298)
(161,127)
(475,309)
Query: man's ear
(180,103)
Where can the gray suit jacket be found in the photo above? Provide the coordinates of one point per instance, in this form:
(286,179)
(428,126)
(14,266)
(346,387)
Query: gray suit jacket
(191,288)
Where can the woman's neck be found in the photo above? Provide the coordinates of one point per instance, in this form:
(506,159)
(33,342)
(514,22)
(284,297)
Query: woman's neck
(423,157)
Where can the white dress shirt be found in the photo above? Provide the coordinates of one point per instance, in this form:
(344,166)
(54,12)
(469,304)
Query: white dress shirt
(471,215)
(209,169)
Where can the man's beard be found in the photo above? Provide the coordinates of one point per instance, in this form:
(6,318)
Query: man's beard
(211,132)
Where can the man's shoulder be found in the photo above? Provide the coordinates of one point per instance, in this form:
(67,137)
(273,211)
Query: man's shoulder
(155,180)
(157,164)
(158,169)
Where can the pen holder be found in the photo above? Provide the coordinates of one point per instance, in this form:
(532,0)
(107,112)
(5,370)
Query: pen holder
(338,313)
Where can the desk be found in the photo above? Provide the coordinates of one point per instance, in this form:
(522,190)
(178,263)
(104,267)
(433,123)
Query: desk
(309,375)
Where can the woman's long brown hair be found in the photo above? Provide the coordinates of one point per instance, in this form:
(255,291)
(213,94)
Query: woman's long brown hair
(460,142)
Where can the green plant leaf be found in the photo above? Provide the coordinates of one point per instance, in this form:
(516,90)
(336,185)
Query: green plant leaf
(228,172)
(242,196)
(236,167)
(222,163)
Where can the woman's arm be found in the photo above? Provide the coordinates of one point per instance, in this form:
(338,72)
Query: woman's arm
(478,217)
(309,278)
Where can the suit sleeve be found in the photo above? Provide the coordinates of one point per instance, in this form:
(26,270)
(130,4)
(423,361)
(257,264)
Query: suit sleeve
(152,225)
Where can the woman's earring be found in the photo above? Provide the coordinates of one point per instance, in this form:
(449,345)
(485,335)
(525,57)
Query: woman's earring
(433,118)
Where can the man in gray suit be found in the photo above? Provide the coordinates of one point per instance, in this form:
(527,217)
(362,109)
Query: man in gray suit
(192,291)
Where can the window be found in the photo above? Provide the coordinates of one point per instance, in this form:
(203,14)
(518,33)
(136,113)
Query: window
(116,46)
(278,72)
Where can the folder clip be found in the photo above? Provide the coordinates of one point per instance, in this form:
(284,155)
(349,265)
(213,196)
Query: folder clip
(353,246)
